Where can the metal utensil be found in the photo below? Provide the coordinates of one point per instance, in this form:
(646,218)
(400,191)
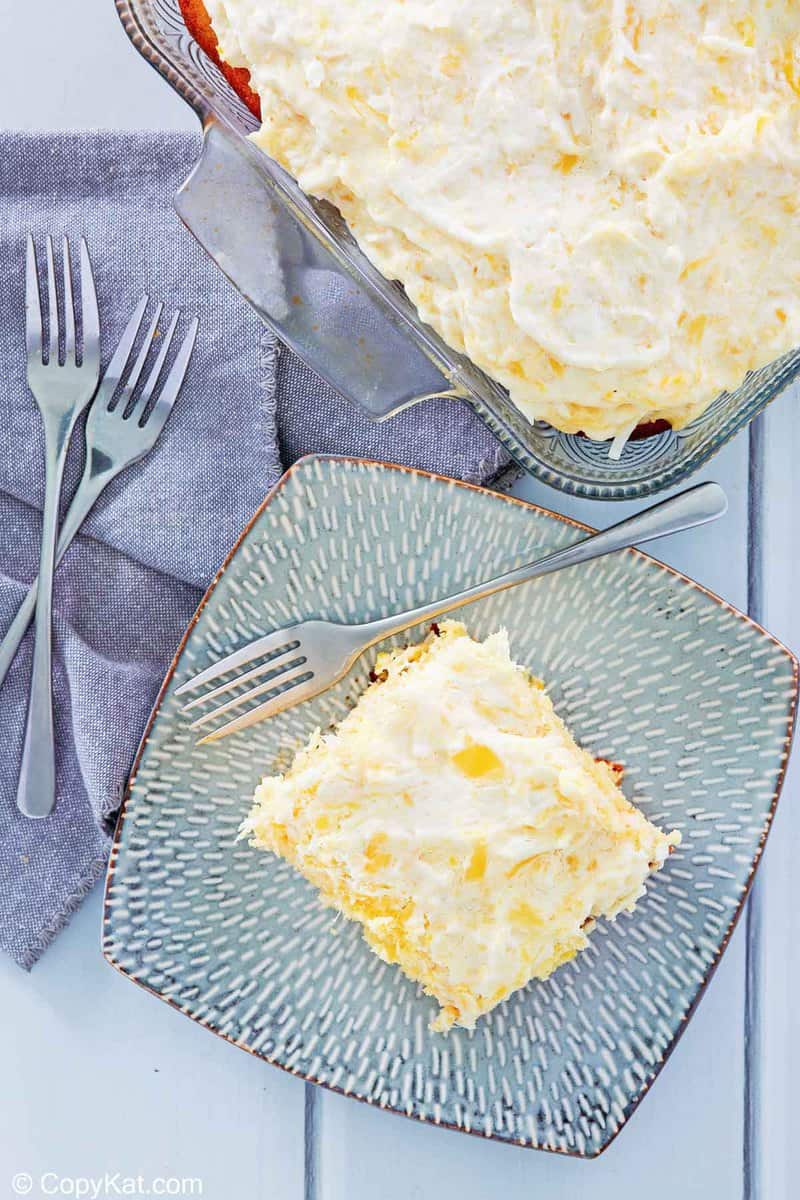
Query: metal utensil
(62,375)
(119,432)
(303,660)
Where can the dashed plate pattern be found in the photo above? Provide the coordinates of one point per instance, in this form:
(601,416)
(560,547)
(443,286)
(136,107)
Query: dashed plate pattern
(647,669)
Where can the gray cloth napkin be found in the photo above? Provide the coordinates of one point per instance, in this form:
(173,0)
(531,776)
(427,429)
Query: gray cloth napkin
(135,574)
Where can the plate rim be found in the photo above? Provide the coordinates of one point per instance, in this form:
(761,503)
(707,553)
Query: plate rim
(304,462)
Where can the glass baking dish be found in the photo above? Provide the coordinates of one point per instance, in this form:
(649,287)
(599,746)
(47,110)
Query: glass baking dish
(286,253)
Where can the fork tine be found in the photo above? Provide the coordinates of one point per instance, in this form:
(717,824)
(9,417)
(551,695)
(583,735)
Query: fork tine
(119,359)
(277,684)
(90,317)
(290,696)
(69,303)
(270,644)
(143,399)
(141,358)
(172,384)
(33,305)
(52,302)
(278,662)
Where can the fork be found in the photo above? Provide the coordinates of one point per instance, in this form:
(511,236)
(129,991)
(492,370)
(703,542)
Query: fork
(118,433)
(62,375)
(305,659)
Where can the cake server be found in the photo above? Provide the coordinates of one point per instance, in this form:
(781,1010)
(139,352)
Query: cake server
(302,660)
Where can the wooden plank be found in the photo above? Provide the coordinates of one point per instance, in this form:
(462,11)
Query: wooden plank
(99,1076)
(691,1121)
(773,1059)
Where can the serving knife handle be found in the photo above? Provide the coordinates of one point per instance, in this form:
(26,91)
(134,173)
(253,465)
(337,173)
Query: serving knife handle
(306,278)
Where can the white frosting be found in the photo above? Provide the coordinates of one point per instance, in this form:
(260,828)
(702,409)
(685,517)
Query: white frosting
(453,815)
(595,199)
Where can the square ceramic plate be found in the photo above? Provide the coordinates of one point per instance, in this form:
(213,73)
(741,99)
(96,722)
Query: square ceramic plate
(646,667)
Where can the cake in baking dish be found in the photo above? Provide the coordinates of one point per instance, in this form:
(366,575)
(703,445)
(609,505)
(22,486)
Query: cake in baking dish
(596,201)
(454,817)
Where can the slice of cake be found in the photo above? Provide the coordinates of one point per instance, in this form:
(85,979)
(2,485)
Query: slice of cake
(453,815)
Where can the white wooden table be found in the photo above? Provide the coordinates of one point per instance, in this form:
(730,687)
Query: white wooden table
(96,1076)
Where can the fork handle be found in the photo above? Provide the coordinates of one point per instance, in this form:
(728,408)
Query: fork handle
(36,788)
(88,490)
(694,507)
